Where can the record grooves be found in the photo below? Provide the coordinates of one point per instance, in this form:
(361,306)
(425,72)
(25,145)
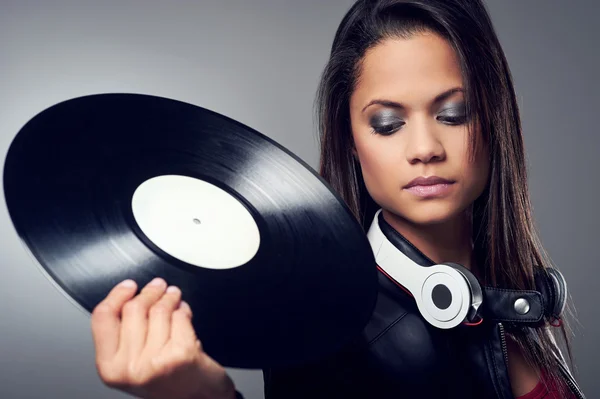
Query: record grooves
(106,187)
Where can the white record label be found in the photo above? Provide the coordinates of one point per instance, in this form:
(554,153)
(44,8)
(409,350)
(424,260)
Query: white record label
(195,222)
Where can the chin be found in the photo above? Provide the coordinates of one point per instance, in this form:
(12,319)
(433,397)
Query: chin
(429,220)
(429,213)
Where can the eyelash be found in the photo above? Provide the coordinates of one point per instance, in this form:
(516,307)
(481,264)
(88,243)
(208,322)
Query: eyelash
(390,129)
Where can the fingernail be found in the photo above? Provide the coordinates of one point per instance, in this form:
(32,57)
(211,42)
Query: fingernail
(127,283)
(172,290)
(184,305)
(157,282)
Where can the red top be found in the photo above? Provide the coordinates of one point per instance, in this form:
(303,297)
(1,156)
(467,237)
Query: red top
(543,391)
(540,392)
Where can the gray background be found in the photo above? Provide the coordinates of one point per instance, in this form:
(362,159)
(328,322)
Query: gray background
(258,61)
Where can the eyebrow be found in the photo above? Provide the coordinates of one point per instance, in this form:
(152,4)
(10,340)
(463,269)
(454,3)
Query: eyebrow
(439,98)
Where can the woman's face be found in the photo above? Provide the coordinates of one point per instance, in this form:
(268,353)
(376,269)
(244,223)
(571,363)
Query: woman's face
(408,122)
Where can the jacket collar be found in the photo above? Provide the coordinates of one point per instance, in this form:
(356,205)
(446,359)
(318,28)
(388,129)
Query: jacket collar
(402,244)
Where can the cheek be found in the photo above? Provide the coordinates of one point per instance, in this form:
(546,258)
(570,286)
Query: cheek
(382,169)
(377,160)
(370,164)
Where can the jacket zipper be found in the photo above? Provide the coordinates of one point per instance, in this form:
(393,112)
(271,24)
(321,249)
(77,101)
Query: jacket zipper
(571,384)
(503,342)
(573,387)
(504,352)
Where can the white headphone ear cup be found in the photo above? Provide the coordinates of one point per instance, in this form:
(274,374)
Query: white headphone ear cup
(438,291)
(445,295)
(476,292)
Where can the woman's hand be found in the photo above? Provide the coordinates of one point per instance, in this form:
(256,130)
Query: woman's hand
(146,346)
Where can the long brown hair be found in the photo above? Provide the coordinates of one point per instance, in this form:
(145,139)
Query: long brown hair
(505,238)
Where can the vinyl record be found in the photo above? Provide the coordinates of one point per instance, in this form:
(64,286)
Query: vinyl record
(113,186)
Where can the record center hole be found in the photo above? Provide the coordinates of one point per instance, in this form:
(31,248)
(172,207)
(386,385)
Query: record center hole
(196,221)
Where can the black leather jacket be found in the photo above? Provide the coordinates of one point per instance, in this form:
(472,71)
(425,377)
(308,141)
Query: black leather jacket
(399,355)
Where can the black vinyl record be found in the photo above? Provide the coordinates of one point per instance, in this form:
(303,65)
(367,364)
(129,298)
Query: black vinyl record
(106,187)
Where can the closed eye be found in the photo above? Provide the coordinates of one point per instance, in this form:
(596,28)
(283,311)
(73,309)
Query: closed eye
(388,129)
(452,120)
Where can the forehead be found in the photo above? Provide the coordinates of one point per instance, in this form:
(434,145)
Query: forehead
(412,70)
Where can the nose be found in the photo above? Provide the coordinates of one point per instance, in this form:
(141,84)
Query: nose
(423,145)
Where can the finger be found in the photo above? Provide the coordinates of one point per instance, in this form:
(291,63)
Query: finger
(159,323)
(182,330)
(106,319)
(134,322)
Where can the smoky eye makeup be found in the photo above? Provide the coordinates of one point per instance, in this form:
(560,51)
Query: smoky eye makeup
(453,113)
(386,121)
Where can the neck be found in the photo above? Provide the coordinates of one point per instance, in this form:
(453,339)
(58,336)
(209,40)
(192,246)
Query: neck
(449,241)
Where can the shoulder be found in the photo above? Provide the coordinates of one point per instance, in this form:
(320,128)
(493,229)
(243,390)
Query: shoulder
(400,342)
(396,350)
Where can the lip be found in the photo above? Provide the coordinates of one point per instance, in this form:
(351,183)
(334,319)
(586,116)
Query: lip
(429,187)
(428,181)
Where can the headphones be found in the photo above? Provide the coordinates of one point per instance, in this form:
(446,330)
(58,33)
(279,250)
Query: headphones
(448,294)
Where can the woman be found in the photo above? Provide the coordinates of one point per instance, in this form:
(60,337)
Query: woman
(415,88)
